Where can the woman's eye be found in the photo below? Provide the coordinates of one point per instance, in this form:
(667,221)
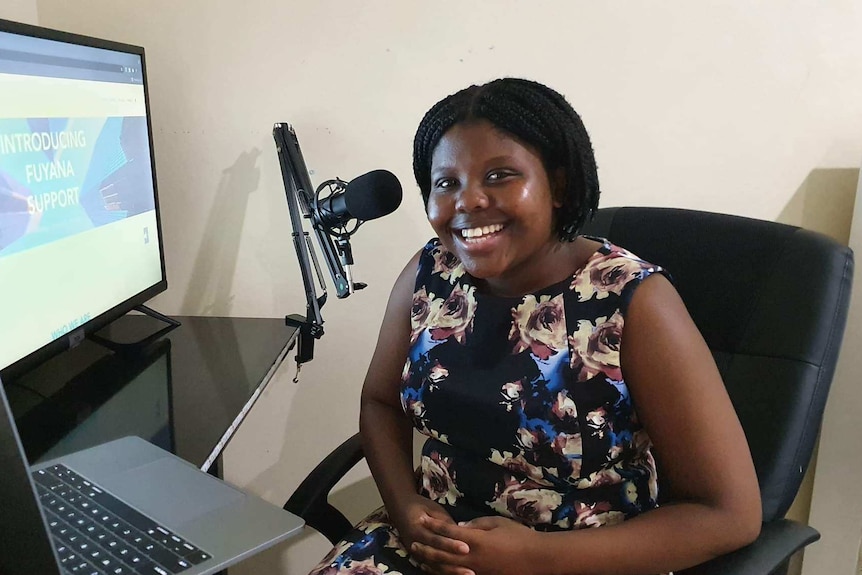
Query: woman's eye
(496,176)
(444,183)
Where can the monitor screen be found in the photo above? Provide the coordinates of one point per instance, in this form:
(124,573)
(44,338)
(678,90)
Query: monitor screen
(80,238)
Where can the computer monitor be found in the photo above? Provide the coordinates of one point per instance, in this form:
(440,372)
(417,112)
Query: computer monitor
(80,233)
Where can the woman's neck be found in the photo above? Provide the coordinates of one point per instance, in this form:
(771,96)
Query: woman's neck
(558,261)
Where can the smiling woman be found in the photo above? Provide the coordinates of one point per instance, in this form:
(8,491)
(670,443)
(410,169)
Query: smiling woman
(503,344)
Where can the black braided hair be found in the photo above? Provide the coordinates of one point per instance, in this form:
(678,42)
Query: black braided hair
(534,114)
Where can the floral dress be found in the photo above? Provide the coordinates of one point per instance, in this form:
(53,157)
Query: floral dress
(523,402)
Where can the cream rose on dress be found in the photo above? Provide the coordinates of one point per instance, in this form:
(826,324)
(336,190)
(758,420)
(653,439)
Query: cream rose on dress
(379,521)
(437,374)
(424,306)
(526,438)
(526,501)
(608,476)
(518,465)
(596,348)
(564,407)
(436,479)
(642,444)
(539,325)
(405,371)
(455,315)
(511,393)
(415,408)
(606,275)
(597,420)
(441,437)
(570,447)
(447,265)
(368,567)
(596,514)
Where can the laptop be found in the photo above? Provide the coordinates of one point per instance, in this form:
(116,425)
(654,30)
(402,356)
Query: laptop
(124,507)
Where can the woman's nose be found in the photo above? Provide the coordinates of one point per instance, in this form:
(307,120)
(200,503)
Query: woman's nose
(472,197)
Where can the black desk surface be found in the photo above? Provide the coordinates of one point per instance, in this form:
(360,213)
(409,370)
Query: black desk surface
(183,393)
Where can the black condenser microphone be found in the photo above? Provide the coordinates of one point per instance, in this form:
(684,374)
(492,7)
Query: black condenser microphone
(366,197)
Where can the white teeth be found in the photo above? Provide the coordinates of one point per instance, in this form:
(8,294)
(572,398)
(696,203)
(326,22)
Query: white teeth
(475,233)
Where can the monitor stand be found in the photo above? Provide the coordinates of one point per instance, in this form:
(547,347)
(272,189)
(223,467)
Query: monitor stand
(132,347)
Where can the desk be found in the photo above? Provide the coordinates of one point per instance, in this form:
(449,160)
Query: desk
(187,392)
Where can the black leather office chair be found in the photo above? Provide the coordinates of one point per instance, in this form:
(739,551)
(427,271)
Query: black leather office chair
(771,301)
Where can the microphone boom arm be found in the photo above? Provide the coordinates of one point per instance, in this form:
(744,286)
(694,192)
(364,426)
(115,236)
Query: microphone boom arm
(294,170)
(303,202)
(296,188)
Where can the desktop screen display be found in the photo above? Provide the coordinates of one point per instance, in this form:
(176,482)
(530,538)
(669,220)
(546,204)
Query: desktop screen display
(79,233)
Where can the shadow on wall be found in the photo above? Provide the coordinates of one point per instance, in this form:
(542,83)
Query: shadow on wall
(824,202)
(209,290)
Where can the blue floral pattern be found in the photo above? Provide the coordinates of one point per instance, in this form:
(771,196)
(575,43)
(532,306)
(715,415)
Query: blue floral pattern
(523,400)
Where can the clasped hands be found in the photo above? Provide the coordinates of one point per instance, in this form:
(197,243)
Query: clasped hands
(487,545)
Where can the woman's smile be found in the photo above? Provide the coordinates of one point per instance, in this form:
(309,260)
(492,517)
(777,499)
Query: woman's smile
(480,233)
(479,239)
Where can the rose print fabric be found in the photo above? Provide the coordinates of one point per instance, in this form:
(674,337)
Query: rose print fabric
(524,404)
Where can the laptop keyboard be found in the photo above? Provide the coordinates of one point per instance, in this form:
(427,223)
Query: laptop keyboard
(96,533)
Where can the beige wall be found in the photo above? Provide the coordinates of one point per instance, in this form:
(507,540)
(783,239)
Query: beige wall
(20,11)
(752,108)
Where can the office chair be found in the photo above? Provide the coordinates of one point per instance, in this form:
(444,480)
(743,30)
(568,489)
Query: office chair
(771,301)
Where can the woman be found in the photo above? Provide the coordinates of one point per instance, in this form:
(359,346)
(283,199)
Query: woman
(547,369)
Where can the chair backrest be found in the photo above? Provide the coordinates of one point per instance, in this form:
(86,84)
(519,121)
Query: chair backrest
(771,301)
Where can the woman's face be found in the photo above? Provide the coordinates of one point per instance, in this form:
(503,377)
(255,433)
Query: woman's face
(491,204)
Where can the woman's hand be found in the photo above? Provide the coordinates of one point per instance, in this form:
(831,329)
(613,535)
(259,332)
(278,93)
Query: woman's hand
(495,545)
(414,521)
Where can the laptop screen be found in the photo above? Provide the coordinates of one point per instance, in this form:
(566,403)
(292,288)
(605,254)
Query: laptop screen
(24,544)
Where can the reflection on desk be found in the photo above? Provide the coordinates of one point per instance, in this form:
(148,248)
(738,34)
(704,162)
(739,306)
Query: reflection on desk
(187,392)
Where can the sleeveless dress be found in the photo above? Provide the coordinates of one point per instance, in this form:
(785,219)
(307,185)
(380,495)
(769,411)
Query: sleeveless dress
(524,405)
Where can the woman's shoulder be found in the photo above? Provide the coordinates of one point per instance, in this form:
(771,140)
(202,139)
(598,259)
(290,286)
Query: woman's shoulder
(608,250)
(612,270)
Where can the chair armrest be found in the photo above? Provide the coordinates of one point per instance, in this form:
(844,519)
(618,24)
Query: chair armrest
(777,542)
(310,500)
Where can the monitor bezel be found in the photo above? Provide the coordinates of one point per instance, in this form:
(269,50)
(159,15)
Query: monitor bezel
(74,337)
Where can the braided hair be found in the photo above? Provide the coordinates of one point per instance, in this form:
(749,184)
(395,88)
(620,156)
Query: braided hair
(534,114)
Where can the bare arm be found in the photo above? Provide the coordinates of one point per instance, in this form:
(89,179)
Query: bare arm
(387,432)
(385,429)
(684,407)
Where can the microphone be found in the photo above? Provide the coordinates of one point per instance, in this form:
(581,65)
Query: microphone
(366,197)
(369,196)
